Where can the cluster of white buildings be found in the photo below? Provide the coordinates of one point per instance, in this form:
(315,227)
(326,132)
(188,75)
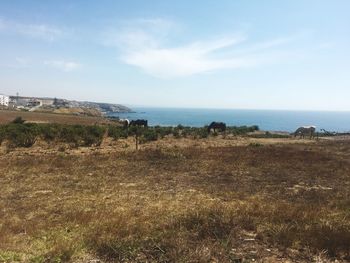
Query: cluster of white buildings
(23,102)
(4,100)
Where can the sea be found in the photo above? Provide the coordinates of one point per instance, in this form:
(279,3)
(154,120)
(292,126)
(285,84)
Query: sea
(269,120)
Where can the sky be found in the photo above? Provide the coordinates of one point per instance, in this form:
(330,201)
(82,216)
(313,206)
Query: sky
(290,55)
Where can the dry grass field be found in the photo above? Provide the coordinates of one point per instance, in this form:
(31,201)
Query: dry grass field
(204,200)
(7,116)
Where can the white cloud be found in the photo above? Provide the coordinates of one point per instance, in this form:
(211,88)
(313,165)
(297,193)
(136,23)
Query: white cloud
(40,31)
(184,61)
(18,63)
(145,44)
(21,62)
(66,66)
(139,32)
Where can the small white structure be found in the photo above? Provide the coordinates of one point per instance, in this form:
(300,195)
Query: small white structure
(4,100)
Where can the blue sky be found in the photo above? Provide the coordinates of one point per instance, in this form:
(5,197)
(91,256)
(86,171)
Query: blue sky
(208,54)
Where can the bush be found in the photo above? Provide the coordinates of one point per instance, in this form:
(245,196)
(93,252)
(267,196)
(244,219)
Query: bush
(50,132)
(202,133)
(241,130)
(176,133)
(18,120)
(149,135)
(117,132)
(93,135)
(135,131)
(21,135)
(80,135)
(72,135)
(163,131)
(25,135)
(2,134)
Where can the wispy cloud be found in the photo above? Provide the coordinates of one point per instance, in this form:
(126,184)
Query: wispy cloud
(17,63)
(21,62)
(63,65)
(187,60)
(139,32)
(40,31)
(145,44)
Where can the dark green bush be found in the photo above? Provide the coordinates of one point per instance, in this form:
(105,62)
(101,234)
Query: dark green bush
(149,135)
(241,130)
(93,135)
(80,135)
(135,131)
(50,132)
(21,135)
(72,135)
(163,131)
(18,120)
(201,133)
(2,134)
(176,133)
(117,132)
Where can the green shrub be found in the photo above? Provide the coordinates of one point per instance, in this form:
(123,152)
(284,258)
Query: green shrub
(176,133)
(163,131)
(80,135)
(2,134)
(203,133)
(149,135)
(117,132)
(241,130)
(72,135)
(21,135)
(93,135)
(25,135)
(50,132)
(135,131)
(255,144)
(18,120)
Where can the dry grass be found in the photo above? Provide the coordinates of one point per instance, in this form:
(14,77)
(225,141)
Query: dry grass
(262,202)
(7,116)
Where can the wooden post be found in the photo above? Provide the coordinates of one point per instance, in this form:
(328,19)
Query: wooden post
(137,140)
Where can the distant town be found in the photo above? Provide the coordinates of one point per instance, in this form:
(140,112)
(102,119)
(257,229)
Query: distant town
(59,105)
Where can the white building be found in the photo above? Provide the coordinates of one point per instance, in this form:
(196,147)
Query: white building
(4,100)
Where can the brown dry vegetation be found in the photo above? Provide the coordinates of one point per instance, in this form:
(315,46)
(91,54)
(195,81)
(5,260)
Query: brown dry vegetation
(214,201)
(7,116)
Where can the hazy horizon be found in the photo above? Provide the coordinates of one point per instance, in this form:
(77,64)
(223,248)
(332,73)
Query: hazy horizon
(184,107)
(270,55)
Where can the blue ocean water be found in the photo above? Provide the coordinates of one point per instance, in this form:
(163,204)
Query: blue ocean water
(273,120)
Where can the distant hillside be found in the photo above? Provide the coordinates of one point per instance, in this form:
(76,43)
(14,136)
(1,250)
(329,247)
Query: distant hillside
(103,107)
(40,103)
